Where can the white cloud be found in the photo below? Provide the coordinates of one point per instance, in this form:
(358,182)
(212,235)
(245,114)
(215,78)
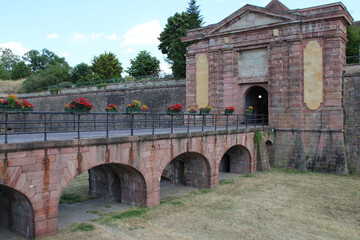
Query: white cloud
(129,50)
(145,33)
(65,54)
(165,67)
(78,37)
(113,37)
(96,35)
(52,36)
(17,48)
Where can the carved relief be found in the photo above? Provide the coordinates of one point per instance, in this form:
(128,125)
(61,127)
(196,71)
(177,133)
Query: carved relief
(313,75)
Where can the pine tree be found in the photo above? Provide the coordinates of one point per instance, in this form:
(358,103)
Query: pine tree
(106,66)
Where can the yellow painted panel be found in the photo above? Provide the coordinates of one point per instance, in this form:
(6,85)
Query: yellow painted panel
(202,81)
(313,75)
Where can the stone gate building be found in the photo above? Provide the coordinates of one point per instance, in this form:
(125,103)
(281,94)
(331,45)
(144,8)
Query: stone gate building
(287,64)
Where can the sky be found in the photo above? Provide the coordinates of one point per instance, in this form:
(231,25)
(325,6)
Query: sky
(81,29)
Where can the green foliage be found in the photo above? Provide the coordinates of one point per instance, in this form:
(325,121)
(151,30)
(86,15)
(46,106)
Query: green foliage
(144,64)
(205,191)
(69,198)
(52,75)
(55,90)
(3,74)
(101,85)
(257,137)
(352,47)
(106,66)
(81,73)
(129,79)
(248,175)
(170,39)
(40,61)
(20,70)
(226,182)
(8,59)
(83,227)
(130,214)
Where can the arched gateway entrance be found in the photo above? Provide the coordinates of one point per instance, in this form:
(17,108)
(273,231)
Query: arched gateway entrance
(258,98)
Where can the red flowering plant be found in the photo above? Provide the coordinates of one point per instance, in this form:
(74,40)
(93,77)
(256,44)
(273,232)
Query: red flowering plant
(79,104)
(26,105)
(229,110)
(174,108)
(111,108)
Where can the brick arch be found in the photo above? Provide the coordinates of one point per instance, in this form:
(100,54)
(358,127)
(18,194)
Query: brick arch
(111,181)
(16,212)
(198,170)
(236,159)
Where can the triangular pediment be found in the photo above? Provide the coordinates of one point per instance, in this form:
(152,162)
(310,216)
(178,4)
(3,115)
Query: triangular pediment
(249,17)
(248,20)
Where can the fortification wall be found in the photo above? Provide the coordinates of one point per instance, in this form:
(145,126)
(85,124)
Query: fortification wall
(157,95)
(352,117)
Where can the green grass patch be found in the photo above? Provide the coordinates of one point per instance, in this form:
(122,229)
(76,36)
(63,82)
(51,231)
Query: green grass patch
(248,175)
(205,191)
(176,203)
(83,227)
(130,214)
(226,182)
(70,198)
(108,206)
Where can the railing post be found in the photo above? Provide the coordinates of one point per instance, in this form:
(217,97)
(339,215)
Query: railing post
(45,128)
(153,124)
(237,122)
(132,125)
(107,125)
(203,122)
(263,119)
(172,123)
(227,122)
(6,127)
(78,127)
(216,117)
(188,123)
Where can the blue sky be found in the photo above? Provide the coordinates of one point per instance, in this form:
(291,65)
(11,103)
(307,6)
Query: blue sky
(81,29)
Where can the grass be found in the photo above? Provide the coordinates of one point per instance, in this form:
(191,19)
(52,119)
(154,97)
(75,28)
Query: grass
(82,227)
(278,204)
(77,190)
(11,86)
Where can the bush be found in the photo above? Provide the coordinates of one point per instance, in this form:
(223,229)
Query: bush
(129,79)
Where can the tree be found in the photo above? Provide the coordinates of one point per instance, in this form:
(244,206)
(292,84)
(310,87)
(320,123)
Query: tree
(144,64)
(53,74)
(3,74)
(40,61)
(106,66)
(20,70)
(170,39)
(352,47)
(81,73)
(8,59)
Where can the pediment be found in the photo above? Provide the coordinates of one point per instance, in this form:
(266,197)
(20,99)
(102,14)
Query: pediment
(248,20)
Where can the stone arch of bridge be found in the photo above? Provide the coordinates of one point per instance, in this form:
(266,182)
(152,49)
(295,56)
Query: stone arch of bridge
(236,159)
(16,212)
(191,169)
(116,182)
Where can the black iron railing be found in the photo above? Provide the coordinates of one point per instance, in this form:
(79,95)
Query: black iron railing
(44,126)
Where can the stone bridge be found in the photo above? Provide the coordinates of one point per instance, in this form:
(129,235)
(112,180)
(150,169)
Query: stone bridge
(125,169)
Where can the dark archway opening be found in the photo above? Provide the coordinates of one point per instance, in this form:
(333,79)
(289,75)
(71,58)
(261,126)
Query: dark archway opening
(16,212)
(257,97)
(188,169)
(117,182)
(236,160)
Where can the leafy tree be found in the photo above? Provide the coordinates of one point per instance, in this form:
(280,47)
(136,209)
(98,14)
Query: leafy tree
(53,74)
(170,39)
(352,47)
(81,73)
(8,59)
(20,70)
(106,66)
(144,64)
(40,61)
(3,74)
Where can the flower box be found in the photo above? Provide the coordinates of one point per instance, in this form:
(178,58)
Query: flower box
(171,112)
(228,112)
(204,111)
(133,110)
(7,108)
(111,110)
(79,111)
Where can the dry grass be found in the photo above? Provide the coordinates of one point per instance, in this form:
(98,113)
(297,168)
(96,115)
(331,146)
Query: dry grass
(272,205)
(11,86)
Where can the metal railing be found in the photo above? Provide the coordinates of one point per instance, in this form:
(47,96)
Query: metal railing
(352,59)
(44,126)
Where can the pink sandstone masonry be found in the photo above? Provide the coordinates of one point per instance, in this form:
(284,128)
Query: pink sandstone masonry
(261,50)
(40,171)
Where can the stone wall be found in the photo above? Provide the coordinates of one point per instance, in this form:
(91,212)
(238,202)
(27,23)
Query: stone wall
(157,95)
(352,116)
